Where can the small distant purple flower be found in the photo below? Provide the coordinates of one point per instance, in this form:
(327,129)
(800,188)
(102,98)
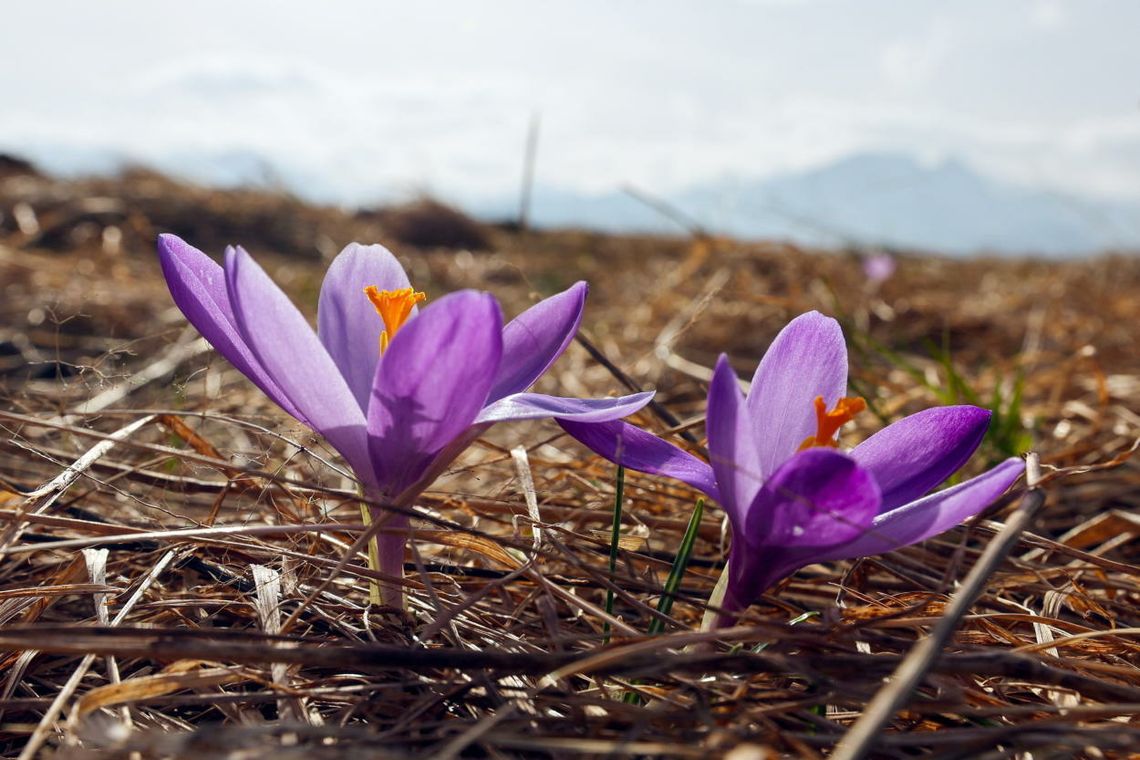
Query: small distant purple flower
(791,496)
(399,392)
(879,267)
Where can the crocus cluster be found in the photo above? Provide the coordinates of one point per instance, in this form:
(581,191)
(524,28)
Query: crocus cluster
(791,496)
(398,390)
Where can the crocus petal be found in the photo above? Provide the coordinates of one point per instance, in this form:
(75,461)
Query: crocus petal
(733,449)
(533,340)
(915,454)
(198,287)
(427,474)
(817,500)
(286,346)
(347,322)
(932,515)
(432,383)
(807,359)
(632,447)
(538,406)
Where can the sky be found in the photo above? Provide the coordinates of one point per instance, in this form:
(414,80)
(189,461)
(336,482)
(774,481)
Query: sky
(358,101)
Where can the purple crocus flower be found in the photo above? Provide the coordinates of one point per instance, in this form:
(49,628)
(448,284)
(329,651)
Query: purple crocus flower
(791,496)
(879,267)
(397,391)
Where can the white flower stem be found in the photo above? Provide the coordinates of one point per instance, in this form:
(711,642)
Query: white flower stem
(373,557)
(716,600)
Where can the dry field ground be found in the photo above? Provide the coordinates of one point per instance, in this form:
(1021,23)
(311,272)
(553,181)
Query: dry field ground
(165,525)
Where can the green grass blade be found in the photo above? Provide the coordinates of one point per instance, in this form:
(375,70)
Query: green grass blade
(615,537)
(673,582)
(680,564)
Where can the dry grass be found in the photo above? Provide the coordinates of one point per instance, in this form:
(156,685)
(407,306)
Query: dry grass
(162,522)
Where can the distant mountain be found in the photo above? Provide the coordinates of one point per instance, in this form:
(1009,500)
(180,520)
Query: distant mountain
(886,199)
(871,199)
(556,207)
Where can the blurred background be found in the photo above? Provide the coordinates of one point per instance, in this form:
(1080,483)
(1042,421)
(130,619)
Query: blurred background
(1010,128)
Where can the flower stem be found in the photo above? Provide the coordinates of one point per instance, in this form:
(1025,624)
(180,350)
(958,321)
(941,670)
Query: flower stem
(373,558)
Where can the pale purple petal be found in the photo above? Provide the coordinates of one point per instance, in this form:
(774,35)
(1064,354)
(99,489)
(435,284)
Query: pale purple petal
(733,449)
(538,406)
(915,454)
(817,500)
(347,322)
(807,359)
(533,340)
(286,346)
(934,514)
(432,383)
(198,287)
(632,447)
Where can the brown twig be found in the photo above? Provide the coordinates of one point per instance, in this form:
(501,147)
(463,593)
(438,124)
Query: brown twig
(902,683)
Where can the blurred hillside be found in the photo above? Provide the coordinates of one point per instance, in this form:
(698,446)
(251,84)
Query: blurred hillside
(890,200)
(734,293)
(884,199)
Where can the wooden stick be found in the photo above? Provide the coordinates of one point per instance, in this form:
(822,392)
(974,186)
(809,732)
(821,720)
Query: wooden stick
(899,687)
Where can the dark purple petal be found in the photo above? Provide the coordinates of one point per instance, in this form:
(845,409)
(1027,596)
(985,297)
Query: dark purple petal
(432,383)
(538,406)
(347,322)
(429,473)
(932,515)
(733,449)
(286,346)
(817,500)
(198,286)
(915,454)
(632,447)
(533,340)
(807,359)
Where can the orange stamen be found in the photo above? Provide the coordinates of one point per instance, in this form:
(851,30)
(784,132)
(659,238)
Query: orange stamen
(828,423)
(394,307)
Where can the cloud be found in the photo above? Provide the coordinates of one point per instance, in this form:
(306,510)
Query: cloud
(1048,15)
(911,62)
(700,95)
(225,77)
